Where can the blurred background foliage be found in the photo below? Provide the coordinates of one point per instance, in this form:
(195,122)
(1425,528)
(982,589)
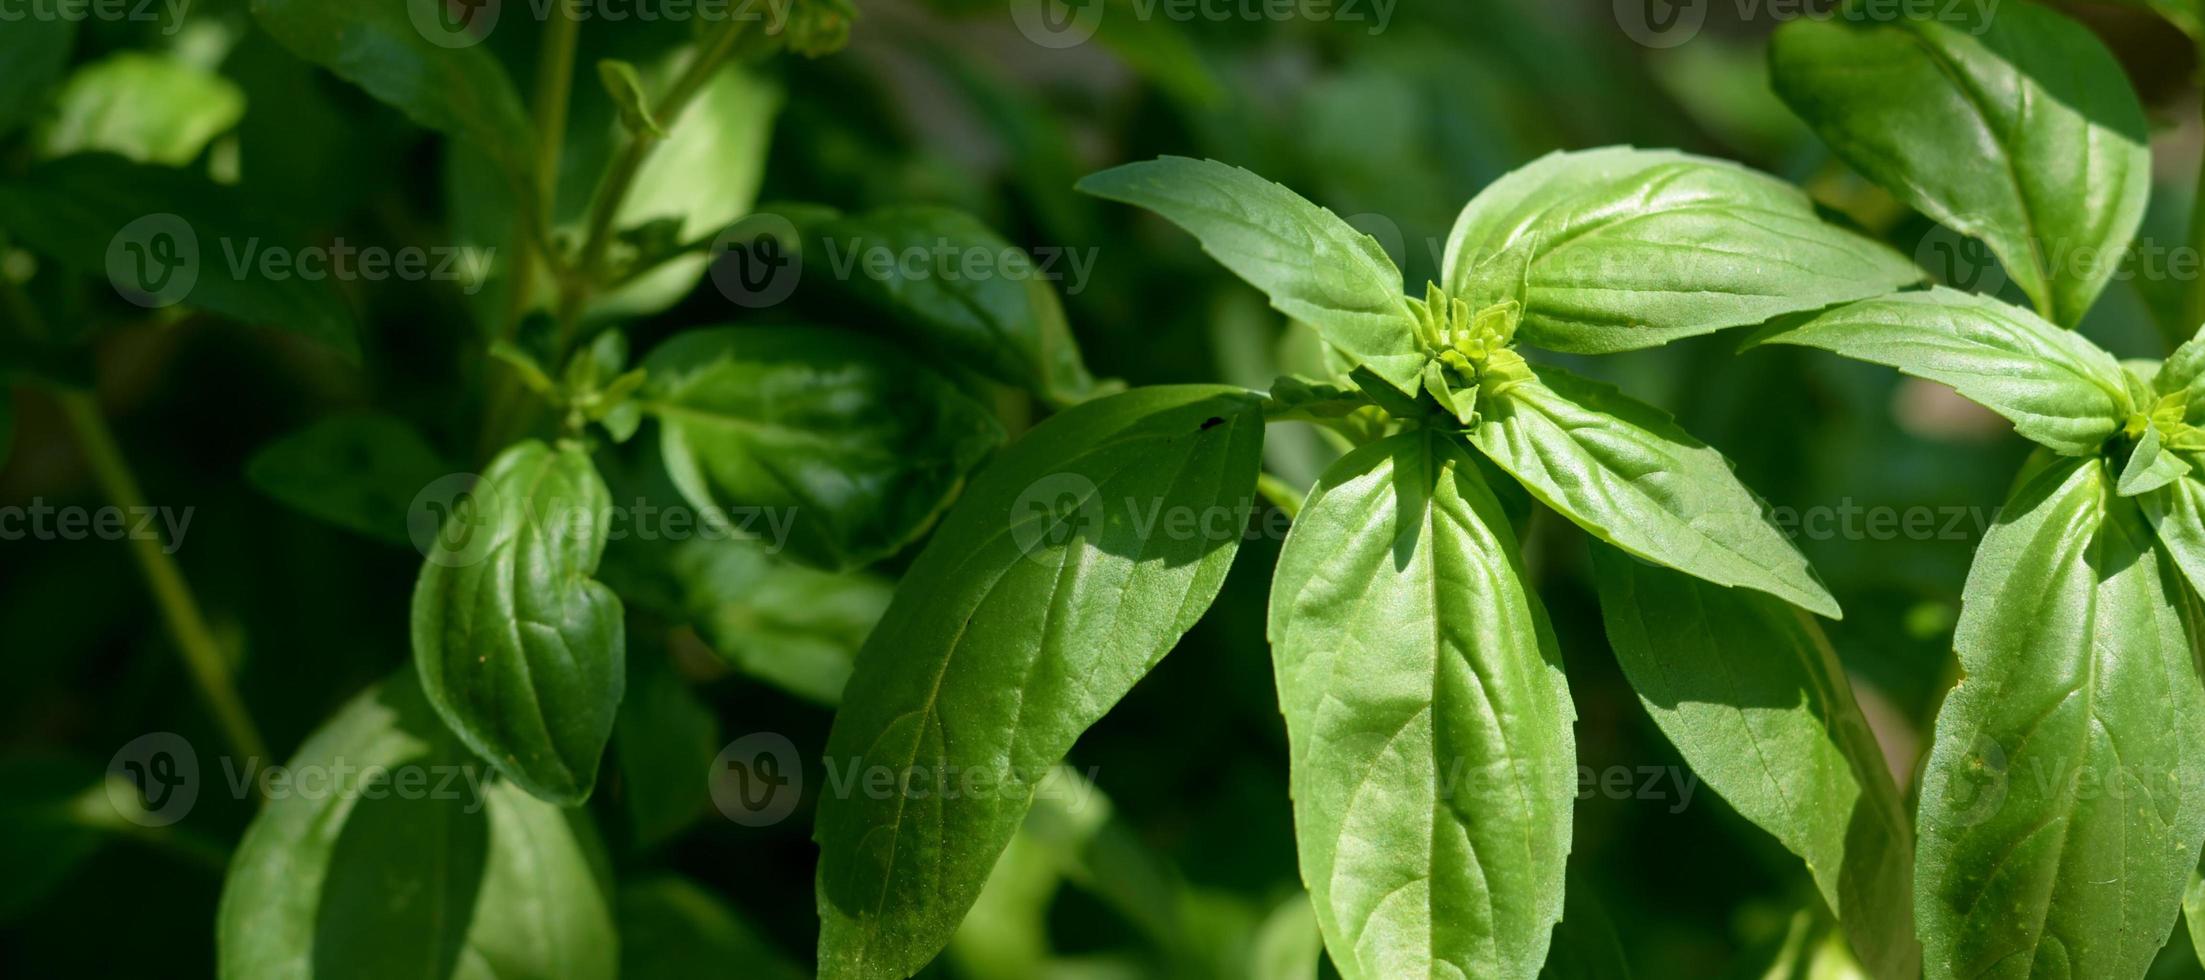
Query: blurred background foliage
(1190,871)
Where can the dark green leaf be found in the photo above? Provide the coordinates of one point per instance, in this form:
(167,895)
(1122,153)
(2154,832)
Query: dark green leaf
(160,235)
(1065,573)
(665,740)
(1753,697)
(358,471)
(796,628)
(672,929)
(2060,390)
(33,52)
(1427,718)
(2019,129)
(518,647)
(1313,266)
(47,826)
(1626,473)
(975,298)
(1619,248)
(393,853)
(2063,804)
(835,440)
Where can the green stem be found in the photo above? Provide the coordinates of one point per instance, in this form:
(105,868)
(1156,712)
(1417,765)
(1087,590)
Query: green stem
(202,654)
(2194,308)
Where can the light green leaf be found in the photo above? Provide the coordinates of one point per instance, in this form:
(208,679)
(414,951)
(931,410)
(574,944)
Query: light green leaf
(2150,465)
(1626,473)
(625,87)
(1072,566)
(457,87)
(2060,390)
(1586,946)
(673,929)
(160,235)
(148,108)
(1313,266)
(977,299)
(521,650)
(2063,804)
(664,740)
(1288,945)
(395,854)
(358,471)
(796,628)
(2020,130)
(33,53)
(1754,699)
(1427,720)
(835,445)
(2177,515)
(1619,248)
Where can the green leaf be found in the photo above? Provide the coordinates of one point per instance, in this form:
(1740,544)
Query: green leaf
(664,740)
(358,471)
(392,853)
(145,107)
(1626,473)
(160,235)
(2177,515)
(626,89)
(1618,248)
(2063,804)
(673,929)
(1427,719)
(518,647)
(2020,130)
(1288,945)
(796,628)
(1062,577)
(459,90)
(1312,265)
(33,53)
(835,440)
(1749,691)
(997,315)
(2150,465)
(2060,390)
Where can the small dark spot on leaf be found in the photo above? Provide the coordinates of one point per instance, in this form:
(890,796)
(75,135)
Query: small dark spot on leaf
(1212,420)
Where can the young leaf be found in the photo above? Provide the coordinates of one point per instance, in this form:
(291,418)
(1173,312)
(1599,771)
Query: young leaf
(144,107)
(1313,266)
(1427,719)
(396,854)
(519,649)
(460,90)
(2177,515)
(2150,465)
(360,472)
(625,87)
(2063,804)
(1005,322)
(1626,473)
(1751,694)
(673,929)
(840,438)
(1619,248)
(2060,390)
(1069,569)
(2020,130)
(170,230)
(796,628)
